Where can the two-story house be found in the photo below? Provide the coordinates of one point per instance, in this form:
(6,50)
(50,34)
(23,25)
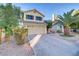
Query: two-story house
(34,21)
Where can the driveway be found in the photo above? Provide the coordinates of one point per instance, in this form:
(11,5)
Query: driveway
(52,45)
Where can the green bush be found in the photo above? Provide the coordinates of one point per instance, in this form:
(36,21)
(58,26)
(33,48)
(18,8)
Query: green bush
(20,35)
(59,31)
(7,37)
(0,37)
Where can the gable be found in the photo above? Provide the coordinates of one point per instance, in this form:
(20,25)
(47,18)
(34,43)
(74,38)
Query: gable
(34,12)
(59,23)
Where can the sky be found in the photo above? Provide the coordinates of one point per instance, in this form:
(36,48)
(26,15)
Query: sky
(49,8)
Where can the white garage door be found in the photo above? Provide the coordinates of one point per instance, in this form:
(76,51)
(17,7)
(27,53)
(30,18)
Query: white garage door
(36,29)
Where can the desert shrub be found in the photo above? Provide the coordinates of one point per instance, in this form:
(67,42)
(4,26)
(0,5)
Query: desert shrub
(0,35)
(0,38)
(59,31)
(7,37)
(7,31)
(20,35)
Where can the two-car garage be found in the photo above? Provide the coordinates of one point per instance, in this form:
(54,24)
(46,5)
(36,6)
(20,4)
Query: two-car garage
(36,27)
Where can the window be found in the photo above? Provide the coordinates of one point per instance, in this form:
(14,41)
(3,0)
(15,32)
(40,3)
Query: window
(38,18)
(30,17)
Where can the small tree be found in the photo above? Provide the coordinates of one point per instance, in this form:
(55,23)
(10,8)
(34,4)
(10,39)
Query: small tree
(2,24)
(9,18)
(49,24)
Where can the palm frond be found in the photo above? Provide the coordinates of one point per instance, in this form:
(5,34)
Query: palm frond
(60,17)
(70,12)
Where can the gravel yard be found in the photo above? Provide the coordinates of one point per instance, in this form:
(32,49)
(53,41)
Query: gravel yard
(12,49)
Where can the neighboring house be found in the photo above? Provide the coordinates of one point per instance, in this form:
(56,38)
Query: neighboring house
(56,24)
(34,21)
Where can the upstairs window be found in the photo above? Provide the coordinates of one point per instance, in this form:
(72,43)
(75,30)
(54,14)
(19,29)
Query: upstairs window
(31,17)
(38,18)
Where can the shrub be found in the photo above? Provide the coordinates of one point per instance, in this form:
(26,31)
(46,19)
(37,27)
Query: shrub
(1,31)
(20,35)
(0,38)
(59,31)
(7,37)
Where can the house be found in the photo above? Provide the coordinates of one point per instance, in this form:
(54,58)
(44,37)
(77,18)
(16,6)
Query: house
(56,24)
(34,21)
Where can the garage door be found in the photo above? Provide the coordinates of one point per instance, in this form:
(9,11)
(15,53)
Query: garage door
(36,29)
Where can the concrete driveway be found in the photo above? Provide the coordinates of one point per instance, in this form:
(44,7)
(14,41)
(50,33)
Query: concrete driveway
(52,45)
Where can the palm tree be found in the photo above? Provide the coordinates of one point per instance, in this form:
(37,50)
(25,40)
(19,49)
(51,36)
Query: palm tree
(67,19)
(75,25)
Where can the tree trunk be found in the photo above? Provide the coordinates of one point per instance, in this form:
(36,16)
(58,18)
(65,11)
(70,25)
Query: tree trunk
(66,30)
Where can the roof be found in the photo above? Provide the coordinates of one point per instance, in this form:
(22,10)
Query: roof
(35,11)
(56,22)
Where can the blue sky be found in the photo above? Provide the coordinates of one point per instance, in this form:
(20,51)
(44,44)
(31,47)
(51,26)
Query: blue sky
(49,8)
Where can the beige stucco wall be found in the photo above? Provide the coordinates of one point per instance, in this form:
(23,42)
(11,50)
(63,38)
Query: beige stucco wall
(32,13)
(35,27)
